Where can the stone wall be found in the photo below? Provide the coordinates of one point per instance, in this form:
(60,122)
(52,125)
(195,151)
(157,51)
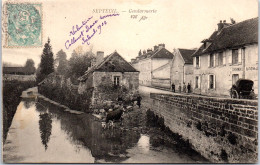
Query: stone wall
(221,129)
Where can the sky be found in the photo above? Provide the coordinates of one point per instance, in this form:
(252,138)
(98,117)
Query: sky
(176,23)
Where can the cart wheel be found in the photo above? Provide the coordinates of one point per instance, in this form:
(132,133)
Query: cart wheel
(234,94)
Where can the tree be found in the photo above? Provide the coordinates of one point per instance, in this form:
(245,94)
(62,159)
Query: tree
(47,62)
(78,64)
(45,124)
(29,67)
(62,62)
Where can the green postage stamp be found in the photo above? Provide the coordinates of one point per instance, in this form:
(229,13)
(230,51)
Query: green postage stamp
(22,25)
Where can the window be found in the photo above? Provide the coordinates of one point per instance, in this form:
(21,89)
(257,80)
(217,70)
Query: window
(235,77)
(211,81)
(235,56)
(220,58)
(211,63)
(197,82)
(197,62)
(116,80)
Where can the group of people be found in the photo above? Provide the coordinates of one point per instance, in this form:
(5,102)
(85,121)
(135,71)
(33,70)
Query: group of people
(185,88)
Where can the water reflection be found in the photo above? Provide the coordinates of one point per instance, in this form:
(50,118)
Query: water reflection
(144,143)
(109,145)
(72,138)
(45,125)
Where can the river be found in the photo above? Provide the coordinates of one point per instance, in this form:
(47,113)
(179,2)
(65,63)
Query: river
(42,132)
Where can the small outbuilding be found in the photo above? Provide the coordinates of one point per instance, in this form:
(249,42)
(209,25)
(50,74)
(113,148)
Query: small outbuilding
(112,70)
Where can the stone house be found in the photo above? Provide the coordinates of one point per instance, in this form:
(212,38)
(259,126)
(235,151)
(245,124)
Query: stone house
(112,69)
(182,67)
(228,54)
(154,66)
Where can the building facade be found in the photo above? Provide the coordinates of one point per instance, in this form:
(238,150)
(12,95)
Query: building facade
(182,68)
(113,70)
(227,55)
(154,66)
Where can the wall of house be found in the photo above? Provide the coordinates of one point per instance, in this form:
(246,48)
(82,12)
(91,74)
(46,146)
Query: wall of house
(87,84)
(223,74)
(145,76)
(129,79)
(188,75)
(163,72)
(177,71)
(161,83)
(222,130)
(158,62)
(251,64)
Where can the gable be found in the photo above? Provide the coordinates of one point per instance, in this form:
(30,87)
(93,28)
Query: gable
(162,72)
(115,63)
(163,53)
(187,55)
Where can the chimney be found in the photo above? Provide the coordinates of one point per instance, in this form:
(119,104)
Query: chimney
(149,50)
(220,25)
(100,57)
(161,46)
(93,62)
(155,47)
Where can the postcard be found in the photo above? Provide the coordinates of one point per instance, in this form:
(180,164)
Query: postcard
(130,81)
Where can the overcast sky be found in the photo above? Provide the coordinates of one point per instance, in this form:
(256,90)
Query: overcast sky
(176,23)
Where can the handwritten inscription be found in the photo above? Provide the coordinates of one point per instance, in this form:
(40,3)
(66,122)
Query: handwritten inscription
(87,30)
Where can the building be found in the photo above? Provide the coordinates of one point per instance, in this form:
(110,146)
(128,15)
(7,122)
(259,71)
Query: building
(111,69)
(228,54)
(154,66)
(16,70)
(182,67)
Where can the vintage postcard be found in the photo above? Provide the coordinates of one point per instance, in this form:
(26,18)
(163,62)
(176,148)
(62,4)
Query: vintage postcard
(130,81)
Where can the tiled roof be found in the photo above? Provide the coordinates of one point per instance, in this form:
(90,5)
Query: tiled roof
(186,55)
(112,63)
(158,53)
(239,34)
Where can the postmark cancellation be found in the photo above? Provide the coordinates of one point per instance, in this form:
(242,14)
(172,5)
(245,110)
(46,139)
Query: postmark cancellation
(22,24)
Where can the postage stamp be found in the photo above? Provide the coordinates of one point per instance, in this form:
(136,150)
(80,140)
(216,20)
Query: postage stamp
(23,24)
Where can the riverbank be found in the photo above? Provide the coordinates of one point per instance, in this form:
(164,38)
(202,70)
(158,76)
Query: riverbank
(12,89)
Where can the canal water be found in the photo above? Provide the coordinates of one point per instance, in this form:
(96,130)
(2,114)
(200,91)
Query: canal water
(42,132)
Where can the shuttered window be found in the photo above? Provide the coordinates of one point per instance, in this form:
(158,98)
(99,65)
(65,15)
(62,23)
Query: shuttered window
(235,56)
(211,60)
(197,82)
(212,82)
(197,62)
(220,58)
(116,80)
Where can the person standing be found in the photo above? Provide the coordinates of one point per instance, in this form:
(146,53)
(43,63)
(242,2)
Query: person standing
(184,87)
(139,98)
(180,88)
(173,87)
(189,88)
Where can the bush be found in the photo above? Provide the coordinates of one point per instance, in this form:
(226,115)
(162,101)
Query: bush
(66,95)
